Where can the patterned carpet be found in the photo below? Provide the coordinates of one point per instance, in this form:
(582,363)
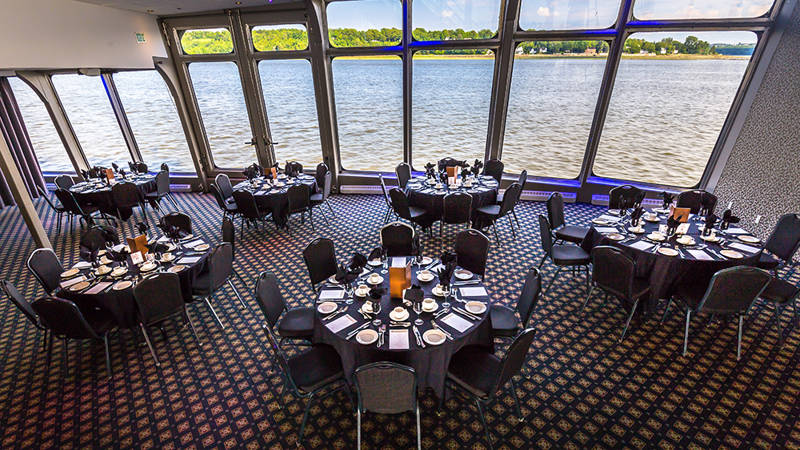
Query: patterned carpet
(584,388)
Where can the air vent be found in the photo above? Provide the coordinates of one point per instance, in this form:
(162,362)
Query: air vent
(360,189)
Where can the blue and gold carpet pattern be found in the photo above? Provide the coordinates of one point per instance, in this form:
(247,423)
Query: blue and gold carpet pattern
(581,387)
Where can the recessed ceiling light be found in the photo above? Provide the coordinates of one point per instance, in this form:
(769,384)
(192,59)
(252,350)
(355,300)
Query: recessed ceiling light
(238,3)
(151,11)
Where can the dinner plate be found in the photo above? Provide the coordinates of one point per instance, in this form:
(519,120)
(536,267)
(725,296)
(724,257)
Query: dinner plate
(202,247)
(433,337)
(732,254)
(332,279)
(599,221)
(367,336)
(653,219)
(749,239)
(103,270)
(79,286)
(437,290)
(426,260)
(69,273)
(686,240)
(122,285)
(475,307)
(167,257)
(326,307)
(710,238)
(666,251)
(399,317)
(375,262)
(615,236)
(463,274)
(656,237)
(147,267)
(176,268)
(82,265)
(637,230)
(374,279)
(105,260)
(425,276)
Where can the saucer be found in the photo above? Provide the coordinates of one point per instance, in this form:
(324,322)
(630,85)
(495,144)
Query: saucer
(433,307)
(167,257)
(326,307)
(367,336)
(360,293)
(69,273)
(463,274)
(475,307)
(102,270)
(685,240)
(374,262)
(433,337)
(425,276)
(656,237)
(399,317)
(119,271)
(374,280)
(636,230)
(710,238)
(147,267)
(437,291)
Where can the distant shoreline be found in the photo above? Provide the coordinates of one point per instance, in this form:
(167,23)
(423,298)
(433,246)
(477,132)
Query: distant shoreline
(557,56)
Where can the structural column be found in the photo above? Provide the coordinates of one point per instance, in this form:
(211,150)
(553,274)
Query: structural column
(408,65)
(122,118)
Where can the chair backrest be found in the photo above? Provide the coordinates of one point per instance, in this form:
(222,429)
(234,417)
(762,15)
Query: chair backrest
(220,265)
(229,233)
(320,258)
(385,192)
(398,239)
(164,167)
(280,357)
(158,297)
(63,182)
(624,197)
(696,200)
(326,185)
(46,268)
(68,201)
(46,197)
(319,175)
(448,162)
(734,289)
(95,238)
(218,197)
(386,388)
(178,220)
(457,207)
(293,167)
(784,240)
(472,251)
(400,203)
(523,178)
(20,301)
(246,204)
(162,182)
(545,234)
(268,295)
(514,358)
(63,318)
(510,198)
(555,209)
(125,195)
(613,271)
(299,196)
(223,182)
(403,172)
(529,296)
(138,167)
(494,168)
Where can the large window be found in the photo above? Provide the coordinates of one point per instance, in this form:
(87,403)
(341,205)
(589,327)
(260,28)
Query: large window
(554,90)
(699,9)
(276,38)
(439,20)
(45,140)
(209,41)
(291,110)
(154,120)
(369,108)
(88,108)
(366,23)
(221,102)
(450,113)
(568,15)
(671,97)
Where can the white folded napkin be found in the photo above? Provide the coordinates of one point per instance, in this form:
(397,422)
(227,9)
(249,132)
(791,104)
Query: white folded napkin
(398,339)
(473,291)
(609,219)
(736,231)
(68,283)
(194,243)
(341,323)
(99,287)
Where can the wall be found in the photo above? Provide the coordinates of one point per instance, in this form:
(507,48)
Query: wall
(57,34)
(762,175)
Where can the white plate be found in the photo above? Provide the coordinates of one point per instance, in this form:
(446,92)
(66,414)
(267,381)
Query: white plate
(668,251)
(710,238)
(122,285)
(399,317)
(105,260)
(426,260)
(749,239)
(374,262)
(327,307)
(433,337)
(599,221)
(176,268)
(202,247)
(367,336)
(360,293)
(475,307)
(437,290)
(685,240)
(433,307)
(615,236)
(332,279)
(463,274)
(654,218)
(69,273)
(167,257)
(82,265)
(732,254)
(103,270)
(147,267)
(119,271)
(656,237)
(638,230)
(374,280)
(425,276)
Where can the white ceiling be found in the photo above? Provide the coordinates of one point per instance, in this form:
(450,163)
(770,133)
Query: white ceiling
(170,7)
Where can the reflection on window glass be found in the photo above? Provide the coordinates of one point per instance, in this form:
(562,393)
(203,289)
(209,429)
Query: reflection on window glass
(224,114)
(438,20)
(275,38)
(669,105)
(212,40)
(154,120)
(365,23)
(551,105)
(369,108)
(699,9)
(89,111)
(561,15)
(450,114)
(291,110)
(47,145)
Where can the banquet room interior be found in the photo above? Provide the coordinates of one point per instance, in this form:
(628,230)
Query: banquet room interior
(285,223)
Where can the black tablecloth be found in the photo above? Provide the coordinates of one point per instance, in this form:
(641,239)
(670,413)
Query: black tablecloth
(423,195)
(121,305)
(274,199)
(665,273)
(98,194)
(430,363)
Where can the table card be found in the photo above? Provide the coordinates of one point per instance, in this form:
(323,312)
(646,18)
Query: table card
(746,248)
(331,294)
(138,244)
(641,245)
(189,260)
(137,258)
(736,231)
(683,228)
(700,255)
(457,322)
(473,292)
(163,239)
(398,339)
(68,283)
(399,277)
(607,230)
(341,323)
(99,287)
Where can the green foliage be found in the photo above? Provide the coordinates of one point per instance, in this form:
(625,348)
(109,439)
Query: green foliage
(272,40)
(691,46)
(199,42)
(559,47)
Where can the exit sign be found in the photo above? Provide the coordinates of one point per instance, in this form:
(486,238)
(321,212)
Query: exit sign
(140,38)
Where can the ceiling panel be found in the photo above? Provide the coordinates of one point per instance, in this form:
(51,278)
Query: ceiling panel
(170,7)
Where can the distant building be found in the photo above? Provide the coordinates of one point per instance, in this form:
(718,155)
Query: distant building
(519,51)
(590,51)
(663,51)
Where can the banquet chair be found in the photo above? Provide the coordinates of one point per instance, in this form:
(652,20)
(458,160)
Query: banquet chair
(403,172)
(229,236)
(781,293)
(444,163)
(75,209)
(159,298)
(386,388)
(219,266)
(59,209)
(696,200)
(223,182)
(296,324)
(164,166)
(555,215)
(95,239)
(472,251)
(403,210)
(782,244)
(614,273)
(228,207)
(317,199)
(46,268)
(126,196)
(163,190)
(559,254)
(65,321)
(494,168)
(320,258)
(178,220)
(310,374)
(397,238)
(504,320)
(522,179)
(479,375)
(16,297)
(63,182)
(389,208)
(731,291)
(138,166)
(624,197)
(249,211)
(456,209)
(319,175)
(293,167)
(299,196)
(504,208)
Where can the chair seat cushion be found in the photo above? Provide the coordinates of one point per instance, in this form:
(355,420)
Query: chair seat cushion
(416,211)
(780,291)
(491,210)
(297,323)
(571,233)
(569,255)
(767,261)
(504,321)
(317,198)
(200,285)
(315,368)
(475,369)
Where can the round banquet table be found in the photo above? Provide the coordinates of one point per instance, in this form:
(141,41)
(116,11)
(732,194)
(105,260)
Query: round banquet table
(430,362)
(120,304)
(274,198)
(427,196)
(665,273)
(98,193)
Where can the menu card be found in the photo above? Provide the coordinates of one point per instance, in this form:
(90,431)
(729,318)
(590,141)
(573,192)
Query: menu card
(736,231)
(473,292)
(641,245)
(398,339)
(189,259)
(68,283)
(609,219)
(701,255)
(194,243)
(457,322)
(607,230)
(746,248)
(99,287)
(341,323)
(331,294)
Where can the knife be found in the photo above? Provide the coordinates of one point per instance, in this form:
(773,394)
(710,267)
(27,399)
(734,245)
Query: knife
(355,331)
(333,315)
(444,332)
(469,315)
(419,338)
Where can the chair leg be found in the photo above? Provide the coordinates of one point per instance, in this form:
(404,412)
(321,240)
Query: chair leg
(511,222)
(191,324)
(108,355)
(739,340)
(494,228)
(50,349)
(555,275)
(514,212)
(586,302)
(628,322)
(305,418)
(173,201)
(516,400)
(150,345)
(236,291)
(358,427)
(419,431)
(214,313)
(686,332)
(666,311)
(330,207)
(541,263)
(483,421)
(777,318)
